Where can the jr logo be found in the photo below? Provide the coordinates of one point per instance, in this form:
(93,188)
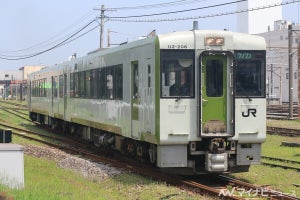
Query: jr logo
(250,111)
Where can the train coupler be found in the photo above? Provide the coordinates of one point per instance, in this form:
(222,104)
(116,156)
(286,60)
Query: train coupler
(216,162)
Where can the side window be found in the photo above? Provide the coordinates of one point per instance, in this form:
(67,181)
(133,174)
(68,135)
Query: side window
(118,82)
(54,86)
(135,80)
(149,76)
(135,90)
(39,88)
(109,82)
(32,87)
(76,85)
(88,82)
(94,85)
(72,85)
(102,83)
(46,86)
(61,86)
(81,84)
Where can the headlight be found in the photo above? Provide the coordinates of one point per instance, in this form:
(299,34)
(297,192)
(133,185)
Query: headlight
(214,41)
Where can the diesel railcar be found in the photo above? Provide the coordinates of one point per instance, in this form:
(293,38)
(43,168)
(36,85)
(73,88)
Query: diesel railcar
(187,102)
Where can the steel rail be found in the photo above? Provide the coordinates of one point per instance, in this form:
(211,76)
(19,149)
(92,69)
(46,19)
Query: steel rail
(260,191)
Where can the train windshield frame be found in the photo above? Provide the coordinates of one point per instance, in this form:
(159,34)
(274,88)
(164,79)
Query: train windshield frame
(177,72)
(250,74)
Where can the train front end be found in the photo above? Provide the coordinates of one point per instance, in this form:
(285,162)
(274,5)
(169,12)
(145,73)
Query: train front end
(212,101)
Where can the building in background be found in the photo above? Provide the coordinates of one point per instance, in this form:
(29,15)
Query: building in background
(5,79)
(257,21)
(28,69)
(268,22)
(278,62)
(13,83)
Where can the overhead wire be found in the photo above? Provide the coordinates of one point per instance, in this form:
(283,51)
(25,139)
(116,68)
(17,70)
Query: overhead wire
(52,40)
(79,36)
(205,16)
(49,49)
(71,37)
(6,54)
(179,11)
(160,5)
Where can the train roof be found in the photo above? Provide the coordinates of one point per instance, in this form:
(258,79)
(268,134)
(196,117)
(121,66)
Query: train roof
(183,39)
(232,40)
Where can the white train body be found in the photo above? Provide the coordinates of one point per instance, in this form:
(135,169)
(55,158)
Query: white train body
(189,102)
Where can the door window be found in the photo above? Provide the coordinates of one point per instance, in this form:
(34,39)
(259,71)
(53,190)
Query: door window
(214,78)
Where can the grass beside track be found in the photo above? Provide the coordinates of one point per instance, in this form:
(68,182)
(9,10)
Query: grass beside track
(274,177)
(44,179)
(292,124)
(272,148)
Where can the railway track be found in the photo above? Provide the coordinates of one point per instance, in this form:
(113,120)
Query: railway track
(270,130)
(239,189)
(74,148)
(277,111)
(39,137)
(257,191)
(16,113)
(281,163)
(129,165)
(190,184)
(15,109)
(283,131)
(13,103)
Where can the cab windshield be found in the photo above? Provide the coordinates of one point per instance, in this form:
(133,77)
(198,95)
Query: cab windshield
(250,73)
(177,73)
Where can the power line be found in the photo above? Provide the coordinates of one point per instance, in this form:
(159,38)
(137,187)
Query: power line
(168,4)
(79,36)
(205,16)
(71,37)
(52,40)
(49,49)
(179,11)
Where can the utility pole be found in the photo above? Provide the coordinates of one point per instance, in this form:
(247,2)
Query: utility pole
(271,79)
(102,17)
(290,53)
(299,76)
(5,86)
(108,38)
(101,26)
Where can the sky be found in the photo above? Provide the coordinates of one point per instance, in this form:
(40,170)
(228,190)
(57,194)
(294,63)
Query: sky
(33,27)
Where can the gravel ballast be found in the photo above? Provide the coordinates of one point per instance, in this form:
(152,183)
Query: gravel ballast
(87,168)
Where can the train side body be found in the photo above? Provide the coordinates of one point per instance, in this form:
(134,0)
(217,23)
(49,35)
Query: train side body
(190,102)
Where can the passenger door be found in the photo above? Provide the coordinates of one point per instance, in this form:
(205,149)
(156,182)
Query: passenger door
(214,95)
(135,99)
(65,95)
(148,95)
(54,99)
